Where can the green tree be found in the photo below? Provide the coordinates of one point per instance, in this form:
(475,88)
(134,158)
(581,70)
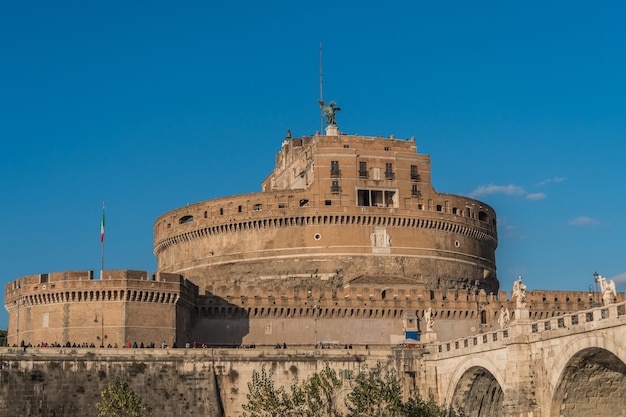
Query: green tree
(264,399)
(417,406)
(321,391)
(376,393)
(120,400)
(314,397)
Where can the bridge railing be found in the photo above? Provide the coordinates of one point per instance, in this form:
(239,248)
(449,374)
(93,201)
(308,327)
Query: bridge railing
(578,321)
(472,342)
(580,318)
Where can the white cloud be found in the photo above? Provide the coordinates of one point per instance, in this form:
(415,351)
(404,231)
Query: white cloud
(535,196)
(497,189)
(620,278)
(549,180)
(583,221)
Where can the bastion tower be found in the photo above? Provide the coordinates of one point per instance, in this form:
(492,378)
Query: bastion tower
(337,210)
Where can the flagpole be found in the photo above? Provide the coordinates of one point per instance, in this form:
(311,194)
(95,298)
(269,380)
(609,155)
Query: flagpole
(102,242)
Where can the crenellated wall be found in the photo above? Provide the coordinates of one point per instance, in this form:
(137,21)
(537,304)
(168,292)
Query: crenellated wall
(122,307)
(359,314)
(133,306)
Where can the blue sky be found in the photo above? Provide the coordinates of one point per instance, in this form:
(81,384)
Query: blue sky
(148,106)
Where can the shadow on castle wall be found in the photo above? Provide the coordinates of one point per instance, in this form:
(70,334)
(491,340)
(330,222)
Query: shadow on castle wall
(218,322)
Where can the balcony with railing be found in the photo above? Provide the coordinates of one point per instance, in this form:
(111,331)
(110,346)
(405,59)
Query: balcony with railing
(335,173)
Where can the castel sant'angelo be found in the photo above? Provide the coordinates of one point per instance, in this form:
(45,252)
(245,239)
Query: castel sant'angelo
(346,243)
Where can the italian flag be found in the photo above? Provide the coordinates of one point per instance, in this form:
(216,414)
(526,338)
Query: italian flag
(102,226)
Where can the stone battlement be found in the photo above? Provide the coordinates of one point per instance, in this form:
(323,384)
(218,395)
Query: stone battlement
(125,306)
(116,285)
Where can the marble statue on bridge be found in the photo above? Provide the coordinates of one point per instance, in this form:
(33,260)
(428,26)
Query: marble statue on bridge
(608,290)
(504,318)
(519,292)
(428,317)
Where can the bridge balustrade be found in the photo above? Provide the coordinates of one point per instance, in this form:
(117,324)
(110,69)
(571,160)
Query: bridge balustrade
(498,337)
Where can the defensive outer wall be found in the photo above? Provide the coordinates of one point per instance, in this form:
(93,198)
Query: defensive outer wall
(573,365)
(134,306)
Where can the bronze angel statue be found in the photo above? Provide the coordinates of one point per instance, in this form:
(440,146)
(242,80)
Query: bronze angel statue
(329,111)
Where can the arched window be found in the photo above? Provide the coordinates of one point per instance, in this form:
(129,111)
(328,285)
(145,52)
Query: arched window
(185,219)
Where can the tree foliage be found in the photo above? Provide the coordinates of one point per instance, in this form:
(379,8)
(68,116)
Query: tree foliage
(377,393)
(320,393)
(314,397)
(374,393)
(120,400)
(264,399)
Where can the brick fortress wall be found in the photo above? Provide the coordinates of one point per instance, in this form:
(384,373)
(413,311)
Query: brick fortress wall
(123,307)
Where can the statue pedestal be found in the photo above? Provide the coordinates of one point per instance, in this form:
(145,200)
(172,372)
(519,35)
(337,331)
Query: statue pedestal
(428,337)
(332,130)
(522,314)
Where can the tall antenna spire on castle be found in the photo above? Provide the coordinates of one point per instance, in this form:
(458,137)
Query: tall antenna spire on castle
(329,110)
(321,100)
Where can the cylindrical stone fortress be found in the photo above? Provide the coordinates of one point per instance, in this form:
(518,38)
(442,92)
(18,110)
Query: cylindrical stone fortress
(336,210)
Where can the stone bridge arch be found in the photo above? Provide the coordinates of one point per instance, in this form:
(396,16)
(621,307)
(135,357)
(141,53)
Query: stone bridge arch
(588,378)
(478,386)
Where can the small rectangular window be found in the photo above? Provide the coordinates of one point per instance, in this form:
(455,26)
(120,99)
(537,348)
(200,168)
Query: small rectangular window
(239,209)
(258,207)
(335,187)
(389,171)
(414,173)
(363,170)
(334,169)
(327,202)
(363,198)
